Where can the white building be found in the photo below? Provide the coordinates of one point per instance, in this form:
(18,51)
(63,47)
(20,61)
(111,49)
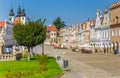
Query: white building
(8,40)
(106,31)
(98,32)
(80,36)
(92,35)
(52,34)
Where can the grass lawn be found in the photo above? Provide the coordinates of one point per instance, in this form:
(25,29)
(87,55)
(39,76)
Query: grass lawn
(29,69)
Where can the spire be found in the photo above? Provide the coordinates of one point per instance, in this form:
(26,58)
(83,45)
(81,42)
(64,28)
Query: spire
(11,12)
(19,12)
(23,12)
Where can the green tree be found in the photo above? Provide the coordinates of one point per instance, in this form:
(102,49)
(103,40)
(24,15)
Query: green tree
(30,34)
(59,23)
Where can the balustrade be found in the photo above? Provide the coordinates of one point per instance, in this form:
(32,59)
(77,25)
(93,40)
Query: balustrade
(7,57)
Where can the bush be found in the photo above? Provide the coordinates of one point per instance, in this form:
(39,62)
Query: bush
(18,56)
(25,55)
(43,60)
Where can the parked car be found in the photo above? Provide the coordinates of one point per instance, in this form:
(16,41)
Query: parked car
(86,51)
(57,46)
(75,49)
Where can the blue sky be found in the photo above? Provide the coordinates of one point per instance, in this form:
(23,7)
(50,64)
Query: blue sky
(70,11)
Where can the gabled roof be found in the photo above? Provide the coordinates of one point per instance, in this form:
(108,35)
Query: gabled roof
(2,23)
(51,28)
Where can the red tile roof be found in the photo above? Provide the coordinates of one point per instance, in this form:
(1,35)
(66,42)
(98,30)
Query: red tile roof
(51,28)
(17,21)
(2,23)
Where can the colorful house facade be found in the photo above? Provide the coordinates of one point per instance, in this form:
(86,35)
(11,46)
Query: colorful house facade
(92,35)
(84,34)
(115,26)
(106,31)
(52,35)
(98,32)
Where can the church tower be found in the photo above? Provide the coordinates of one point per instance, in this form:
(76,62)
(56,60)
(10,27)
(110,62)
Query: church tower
(23,16)
(20,17)
(11,15)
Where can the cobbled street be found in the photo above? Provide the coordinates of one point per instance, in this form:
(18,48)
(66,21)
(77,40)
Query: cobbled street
(87,65)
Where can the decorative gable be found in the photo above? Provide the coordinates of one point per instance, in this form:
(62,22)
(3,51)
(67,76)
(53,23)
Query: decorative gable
(106,21)
(99,18)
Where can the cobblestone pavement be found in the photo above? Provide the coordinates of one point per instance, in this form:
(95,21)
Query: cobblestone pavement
(88,65)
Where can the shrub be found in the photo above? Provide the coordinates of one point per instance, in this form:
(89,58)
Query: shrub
(18,56)
(43,61)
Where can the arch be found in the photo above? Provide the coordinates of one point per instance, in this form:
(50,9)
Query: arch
(113,45)
(109,44)
(117,46)
(104,48)
(94,44)
(91,44)
(107,49)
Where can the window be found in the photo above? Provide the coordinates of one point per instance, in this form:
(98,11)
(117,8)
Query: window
(108,33)
(112,33)
(103,34)
(113,20)
(116,33)
(55,34)
(22,18)
(54,39)
(119,32)
(117,19)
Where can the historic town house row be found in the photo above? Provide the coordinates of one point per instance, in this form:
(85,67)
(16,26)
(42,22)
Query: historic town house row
(99,35)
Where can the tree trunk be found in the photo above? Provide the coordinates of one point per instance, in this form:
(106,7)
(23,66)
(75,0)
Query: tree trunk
(31,51)
(42,49)
(0,50)
(28,53)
